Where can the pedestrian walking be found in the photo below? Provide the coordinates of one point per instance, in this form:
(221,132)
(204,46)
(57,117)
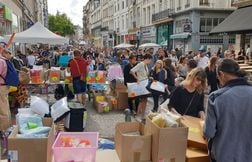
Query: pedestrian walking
(79,70)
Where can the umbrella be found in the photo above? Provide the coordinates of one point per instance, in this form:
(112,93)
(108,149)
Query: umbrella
(124,45)
(146,45)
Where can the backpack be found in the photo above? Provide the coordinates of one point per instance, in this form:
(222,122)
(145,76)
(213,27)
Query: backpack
(11,78)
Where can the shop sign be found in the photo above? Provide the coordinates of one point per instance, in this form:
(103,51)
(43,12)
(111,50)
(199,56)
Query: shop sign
(148,31)
(7,13)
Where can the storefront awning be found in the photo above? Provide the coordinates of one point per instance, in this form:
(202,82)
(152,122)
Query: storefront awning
(238,22)
(180,36)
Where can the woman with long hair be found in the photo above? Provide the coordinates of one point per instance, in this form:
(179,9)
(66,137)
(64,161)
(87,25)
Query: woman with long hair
(212,74)
(157,74)
(188,98)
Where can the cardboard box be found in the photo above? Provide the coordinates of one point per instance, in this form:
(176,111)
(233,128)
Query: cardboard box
(102,106)
(32,150)
(195,134)
(112,102)
(122,100)
(120,85)
(131,148)
(107,156)
(168,144)
(196,155)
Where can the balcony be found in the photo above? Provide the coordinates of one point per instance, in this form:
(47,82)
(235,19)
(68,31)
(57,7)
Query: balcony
(242,3)
(178,8)
(105,28)
(187,5)
(162,15)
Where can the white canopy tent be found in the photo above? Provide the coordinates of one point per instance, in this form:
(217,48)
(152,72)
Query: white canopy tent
(147,45)
(38,34)
(124,45)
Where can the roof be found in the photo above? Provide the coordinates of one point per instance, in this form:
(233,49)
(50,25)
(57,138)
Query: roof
(38,34)
(238,22)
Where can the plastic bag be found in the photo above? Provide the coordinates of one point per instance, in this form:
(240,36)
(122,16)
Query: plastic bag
(23,119)
(59,109)
(39,106)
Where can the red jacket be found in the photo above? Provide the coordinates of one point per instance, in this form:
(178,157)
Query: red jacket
(82,64)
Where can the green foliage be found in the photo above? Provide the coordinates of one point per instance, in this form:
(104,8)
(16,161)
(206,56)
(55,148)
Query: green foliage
(61,23)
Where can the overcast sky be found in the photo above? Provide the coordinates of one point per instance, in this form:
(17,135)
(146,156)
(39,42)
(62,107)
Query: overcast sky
(73,9)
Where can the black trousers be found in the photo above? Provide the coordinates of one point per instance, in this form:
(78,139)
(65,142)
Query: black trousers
(156,100)
(131,104)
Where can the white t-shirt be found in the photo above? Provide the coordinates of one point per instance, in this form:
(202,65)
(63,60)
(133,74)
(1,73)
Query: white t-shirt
(203,62)
(31,60)
(248,52)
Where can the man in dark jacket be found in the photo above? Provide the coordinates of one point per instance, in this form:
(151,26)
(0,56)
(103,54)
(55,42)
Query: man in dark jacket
(129,78)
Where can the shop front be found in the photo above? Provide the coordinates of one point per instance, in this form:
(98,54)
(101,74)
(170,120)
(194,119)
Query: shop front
(163,33)
(133,36)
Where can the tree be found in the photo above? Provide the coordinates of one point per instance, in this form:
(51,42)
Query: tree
(60,23)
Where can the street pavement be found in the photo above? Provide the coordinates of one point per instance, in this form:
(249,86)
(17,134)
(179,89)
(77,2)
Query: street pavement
(105,123)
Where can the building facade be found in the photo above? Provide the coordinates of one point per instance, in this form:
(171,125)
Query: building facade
(184,24)
(18,15)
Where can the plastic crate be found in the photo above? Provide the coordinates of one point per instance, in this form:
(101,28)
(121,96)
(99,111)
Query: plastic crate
(76,154)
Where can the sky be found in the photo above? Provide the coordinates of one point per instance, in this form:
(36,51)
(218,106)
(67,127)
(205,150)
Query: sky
(72,8)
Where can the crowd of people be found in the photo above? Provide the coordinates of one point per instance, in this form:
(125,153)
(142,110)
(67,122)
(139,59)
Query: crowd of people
(187,78)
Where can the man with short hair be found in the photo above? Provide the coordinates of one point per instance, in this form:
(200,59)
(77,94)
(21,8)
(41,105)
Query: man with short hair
(129,78)
(5,117)
(228,118)
(202,59)
(78,67)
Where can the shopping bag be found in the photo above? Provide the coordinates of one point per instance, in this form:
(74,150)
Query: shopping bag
(157,86)
(137,89)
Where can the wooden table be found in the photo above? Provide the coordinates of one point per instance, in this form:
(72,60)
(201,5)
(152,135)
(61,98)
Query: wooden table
(243,65)
(248,70)
(246,67)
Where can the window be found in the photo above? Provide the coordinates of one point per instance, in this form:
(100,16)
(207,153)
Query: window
(123,23)
(187,4)
(179,5)
(118,7)
(148,15)
(153,9)
(160,5)
(204,2)
(127,3)
(144,16)
(179,26)
(207,24)
(122,4)
(215,22)
(202,25)
(171,4)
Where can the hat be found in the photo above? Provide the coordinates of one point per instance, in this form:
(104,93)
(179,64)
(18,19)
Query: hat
(202,49)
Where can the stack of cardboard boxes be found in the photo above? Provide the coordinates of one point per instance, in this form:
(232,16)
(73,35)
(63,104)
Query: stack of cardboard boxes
(197,145)
(182,144)
(116,100)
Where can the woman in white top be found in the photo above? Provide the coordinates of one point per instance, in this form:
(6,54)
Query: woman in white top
(141,72)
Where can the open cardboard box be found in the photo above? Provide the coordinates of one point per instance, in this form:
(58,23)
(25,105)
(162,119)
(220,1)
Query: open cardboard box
(131,148)
(195,134)
(196,155)
(32,149)
(168,144)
